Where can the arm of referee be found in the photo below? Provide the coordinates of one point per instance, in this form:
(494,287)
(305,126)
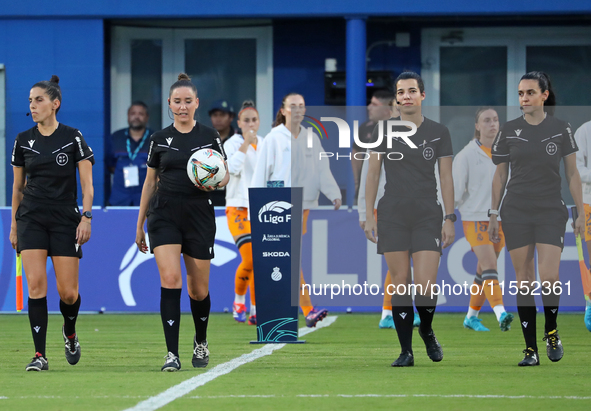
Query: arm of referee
(17,196)
(147,192)
(85,171)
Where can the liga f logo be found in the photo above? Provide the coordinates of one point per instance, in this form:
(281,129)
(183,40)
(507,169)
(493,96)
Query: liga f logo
(278,207)
(345,133)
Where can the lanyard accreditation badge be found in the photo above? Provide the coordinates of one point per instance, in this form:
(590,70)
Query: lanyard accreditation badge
(131,174)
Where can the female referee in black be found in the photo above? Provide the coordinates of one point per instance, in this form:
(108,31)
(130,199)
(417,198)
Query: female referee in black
(181,220)
(46,220)
(533,213)
(409,214)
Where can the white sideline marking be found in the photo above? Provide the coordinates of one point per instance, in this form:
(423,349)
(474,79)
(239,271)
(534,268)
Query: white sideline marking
(68,397)
(511,397)
(185,387)
(491,396)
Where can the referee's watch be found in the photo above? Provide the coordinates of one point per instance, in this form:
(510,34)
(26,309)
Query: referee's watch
(493,212)
(87,214)
(451,217)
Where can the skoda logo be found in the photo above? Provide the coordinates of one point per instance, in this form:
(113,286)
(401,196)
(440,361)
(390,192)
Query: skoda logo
(428,153)
(551,149)
(61,159)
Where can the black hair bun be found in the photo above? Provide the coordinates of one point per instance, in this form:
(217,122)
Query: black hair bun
(247,103)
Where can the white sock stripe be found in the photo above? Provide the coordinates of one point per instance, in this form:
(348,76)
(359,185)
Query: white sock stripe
(179,390)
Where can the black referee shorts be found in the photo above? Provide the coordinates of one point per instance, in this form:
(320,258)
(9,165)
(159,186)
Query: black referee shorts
(409,224)
(532,220)
(50,227)
(187,221)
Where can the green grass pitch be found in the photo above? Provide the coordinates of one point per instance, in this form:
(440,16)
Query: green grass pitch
(345,366)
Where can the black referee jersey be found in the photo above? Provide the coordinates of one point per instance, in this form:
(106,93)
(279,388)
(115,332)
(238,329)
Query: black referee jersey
(170,151)
(534,153)
(413,175)
(50,162)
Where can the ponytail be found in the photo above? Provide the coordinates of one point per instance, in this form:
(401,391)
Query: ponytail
(279,118)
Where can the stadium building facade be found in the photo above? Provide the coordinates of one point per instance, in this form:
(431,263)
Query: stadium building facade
(111,53)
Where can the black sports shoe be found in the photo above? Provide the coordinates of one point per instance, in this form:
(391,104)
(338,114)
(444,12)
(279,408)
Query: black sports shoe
(531,358)
(434,350)
(200,354)
(72,348)
(172,363)
(38,363)
(553,346)
(406,359)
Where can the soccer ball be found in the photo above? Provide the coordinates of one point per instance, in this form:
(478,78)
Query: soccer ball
(206,168)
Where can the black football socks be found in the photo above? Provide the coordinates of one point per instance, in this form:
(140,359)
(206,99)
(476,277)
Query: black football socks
(526,307)
(38,321)
(551,302)
(200,311)
(170,311)
(426,307)
(70,313)
(403,314)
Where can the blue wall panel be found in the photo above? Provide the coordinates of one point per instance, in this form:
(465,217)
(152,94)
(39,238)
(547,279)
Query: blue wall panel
(299,50)
(33,50)
(269,8)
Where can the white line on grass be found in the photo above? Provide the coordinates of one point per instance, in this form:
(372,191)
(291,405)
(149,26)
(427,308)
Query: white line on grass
(510,397)
(478,396)
(76,397)
(179,390)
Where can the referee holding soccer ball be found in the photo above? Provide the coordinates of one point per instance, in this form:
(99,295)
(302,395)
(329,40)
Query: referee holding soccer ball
(181,220)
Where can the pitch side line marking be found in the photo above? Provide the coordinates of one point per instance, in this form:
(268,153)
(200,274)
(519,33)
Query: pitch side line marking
(492,396)
(179,390)
(478,396)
